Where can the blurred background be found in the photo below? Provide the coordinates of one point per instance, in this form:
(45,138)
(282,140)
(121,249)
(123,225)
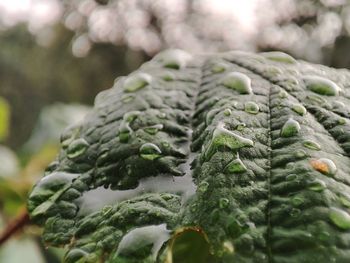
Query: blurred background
(56,55)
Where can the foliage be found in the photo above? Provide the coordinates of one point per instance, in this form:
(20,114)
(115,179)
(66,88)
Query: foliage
(243,156)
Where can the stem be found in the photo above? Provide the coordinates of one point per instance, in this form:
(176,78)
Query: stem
(13,226)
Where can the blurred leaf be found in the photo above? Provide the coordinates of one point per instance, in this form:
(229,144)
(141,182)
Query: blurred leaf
(21,250)
(9,162)
(4,119)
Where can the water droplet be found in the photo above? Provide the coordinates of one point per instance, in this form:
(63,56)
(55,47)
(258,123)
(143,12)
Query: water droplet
(136,81)
(297,201)
(124,132)
(312,145)
(227,112)
(125,129)
(223,202)
(218,68)
(341,121)
(345,199)
(225,139)
(165,144)
(240,126)
(300,154)
(324,165)
(290,165)
(77,148)
(236,166)
(238,81)
(290,128)
(317,185)
(251,107)
(340,218)
(150,151)
(153,129)
(174,58)
(321,85)
(300,109)
(203,187)
(228,247)
(279,57)
(282,94)
(69,134)
(141,237)
(168,76)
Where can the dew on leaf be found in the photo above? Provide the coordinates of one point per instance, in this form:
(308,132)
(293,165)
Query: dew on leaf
(174,58)
(150,151)
(290,128)
(251,107)
(238,82)
(154,235)
(324,166)
(300,109)
(136,81)
(312,145)
(77,148)
(317,185)
(321,85)
(279,57)
(340,218)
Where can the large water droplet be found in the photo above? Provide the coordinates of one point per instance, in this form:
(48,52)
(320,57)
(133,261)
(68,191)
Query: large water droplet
(324,165)
(321,85)
(251,107)
(125,129)
(153,129)
(279,57)
(300,109)
(225,139)
(317,185)
(227,112)
(124,132)
(150,151)
(174,58)
(236,166)
(290,128)
(141,237)
(312,145)
(77,148)
(238,81)
(136,81)
(340,218)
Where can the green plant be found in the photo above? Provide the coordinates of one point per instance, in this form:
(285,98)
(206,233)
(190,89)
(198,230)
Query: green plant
(231,157)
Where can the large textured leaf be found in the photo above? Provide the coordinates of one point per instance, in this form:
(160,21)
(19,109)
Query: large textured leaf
(244,157)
